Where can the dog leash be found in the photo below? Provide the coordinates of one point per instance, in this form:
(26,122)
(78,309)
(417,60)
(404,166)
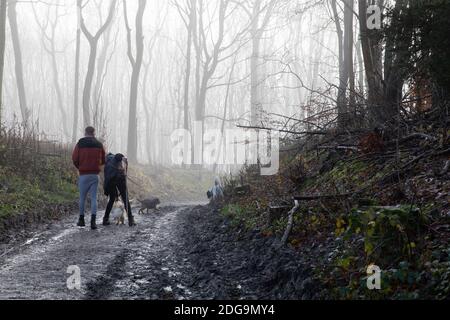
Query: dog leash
(135,183)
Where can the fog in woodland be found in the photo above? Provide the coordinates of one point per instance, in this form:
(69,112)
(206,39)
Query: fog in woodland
(168,64)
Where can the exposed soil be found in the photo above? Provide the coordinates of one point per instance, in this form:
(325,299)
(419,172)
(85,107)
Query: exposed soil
(181,252)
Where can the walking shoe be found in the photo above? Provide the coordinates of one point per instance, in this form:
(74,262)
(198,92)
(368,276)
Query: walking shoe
(93,224)
(81,222)
(131,222)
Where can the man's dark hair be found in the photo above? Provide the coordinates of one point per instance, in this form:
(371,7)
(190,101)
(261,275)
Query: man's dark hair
(89,131)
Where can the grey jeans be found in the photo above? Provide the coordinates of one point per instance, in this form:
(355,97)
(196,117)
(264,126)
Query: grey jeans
(88,184)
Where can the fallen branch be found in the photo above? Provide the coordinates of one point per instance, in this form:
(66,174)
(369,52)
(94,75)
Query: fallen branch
(297,200)
(445,168)
(290,223)
(353,148)
(297,120)
(418,135)
(323,197)
(282,130)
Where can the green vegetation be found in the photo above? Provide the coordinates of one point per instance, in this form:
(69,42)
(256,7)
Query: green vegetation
(21,193)
(399,224)
(389,233)
(241,216)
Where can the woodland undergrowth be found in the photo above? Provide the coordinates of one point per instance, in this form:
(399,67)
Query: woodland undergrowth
(382,198)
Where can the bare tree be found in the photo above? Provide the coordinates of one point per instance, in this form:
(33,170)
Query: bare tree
(93,43)
(48,43)
(315,59)
(12,15)
(101,61)
(3,6)
(146,103)
(394,56)
(372,56)
(260,17)
(136,64)
(384,86)
(345,55)
(348,54)
(209,58)
(76,94)
(189,16)
(147,109)
(358,50)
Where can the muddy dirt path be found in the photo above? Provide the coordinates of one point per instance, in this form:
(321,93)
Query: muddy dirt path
(182,252)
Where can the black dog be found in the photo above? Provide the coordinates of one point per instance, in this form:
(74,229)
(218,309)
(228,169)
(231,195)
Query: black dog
(149,203)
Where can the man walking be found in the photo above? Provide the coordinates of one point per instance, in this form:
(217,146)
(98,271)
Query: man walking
(88,157)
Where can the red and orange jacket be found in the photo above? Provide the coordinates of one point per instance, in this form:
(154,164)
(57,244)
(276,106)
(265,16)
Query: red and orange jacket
(88,156)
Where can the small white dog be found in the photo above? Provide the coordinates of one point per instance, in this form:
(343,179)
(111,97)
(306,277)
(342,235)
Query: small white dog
(119,212)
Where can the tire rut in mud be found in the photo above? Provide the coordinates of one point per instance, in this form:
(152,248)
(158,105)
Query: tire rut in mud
(151,264)
(101,288)
(193,253)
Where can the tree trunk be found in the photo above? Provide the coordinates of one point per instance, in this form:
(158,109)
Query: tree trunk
(101,64)
(3,6)
(191,26)
(225,110)
(18,61)
(255,99)
(88,84)
(258,27)
(348,58)
(371,49)
(316,60)
(136,64)
(59,96)
(146,106)
(148,137)
(343,72)
(209,68)
(394,54)
(51,51)
(360,67)
(76,94)
(198,25)
(93,43)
